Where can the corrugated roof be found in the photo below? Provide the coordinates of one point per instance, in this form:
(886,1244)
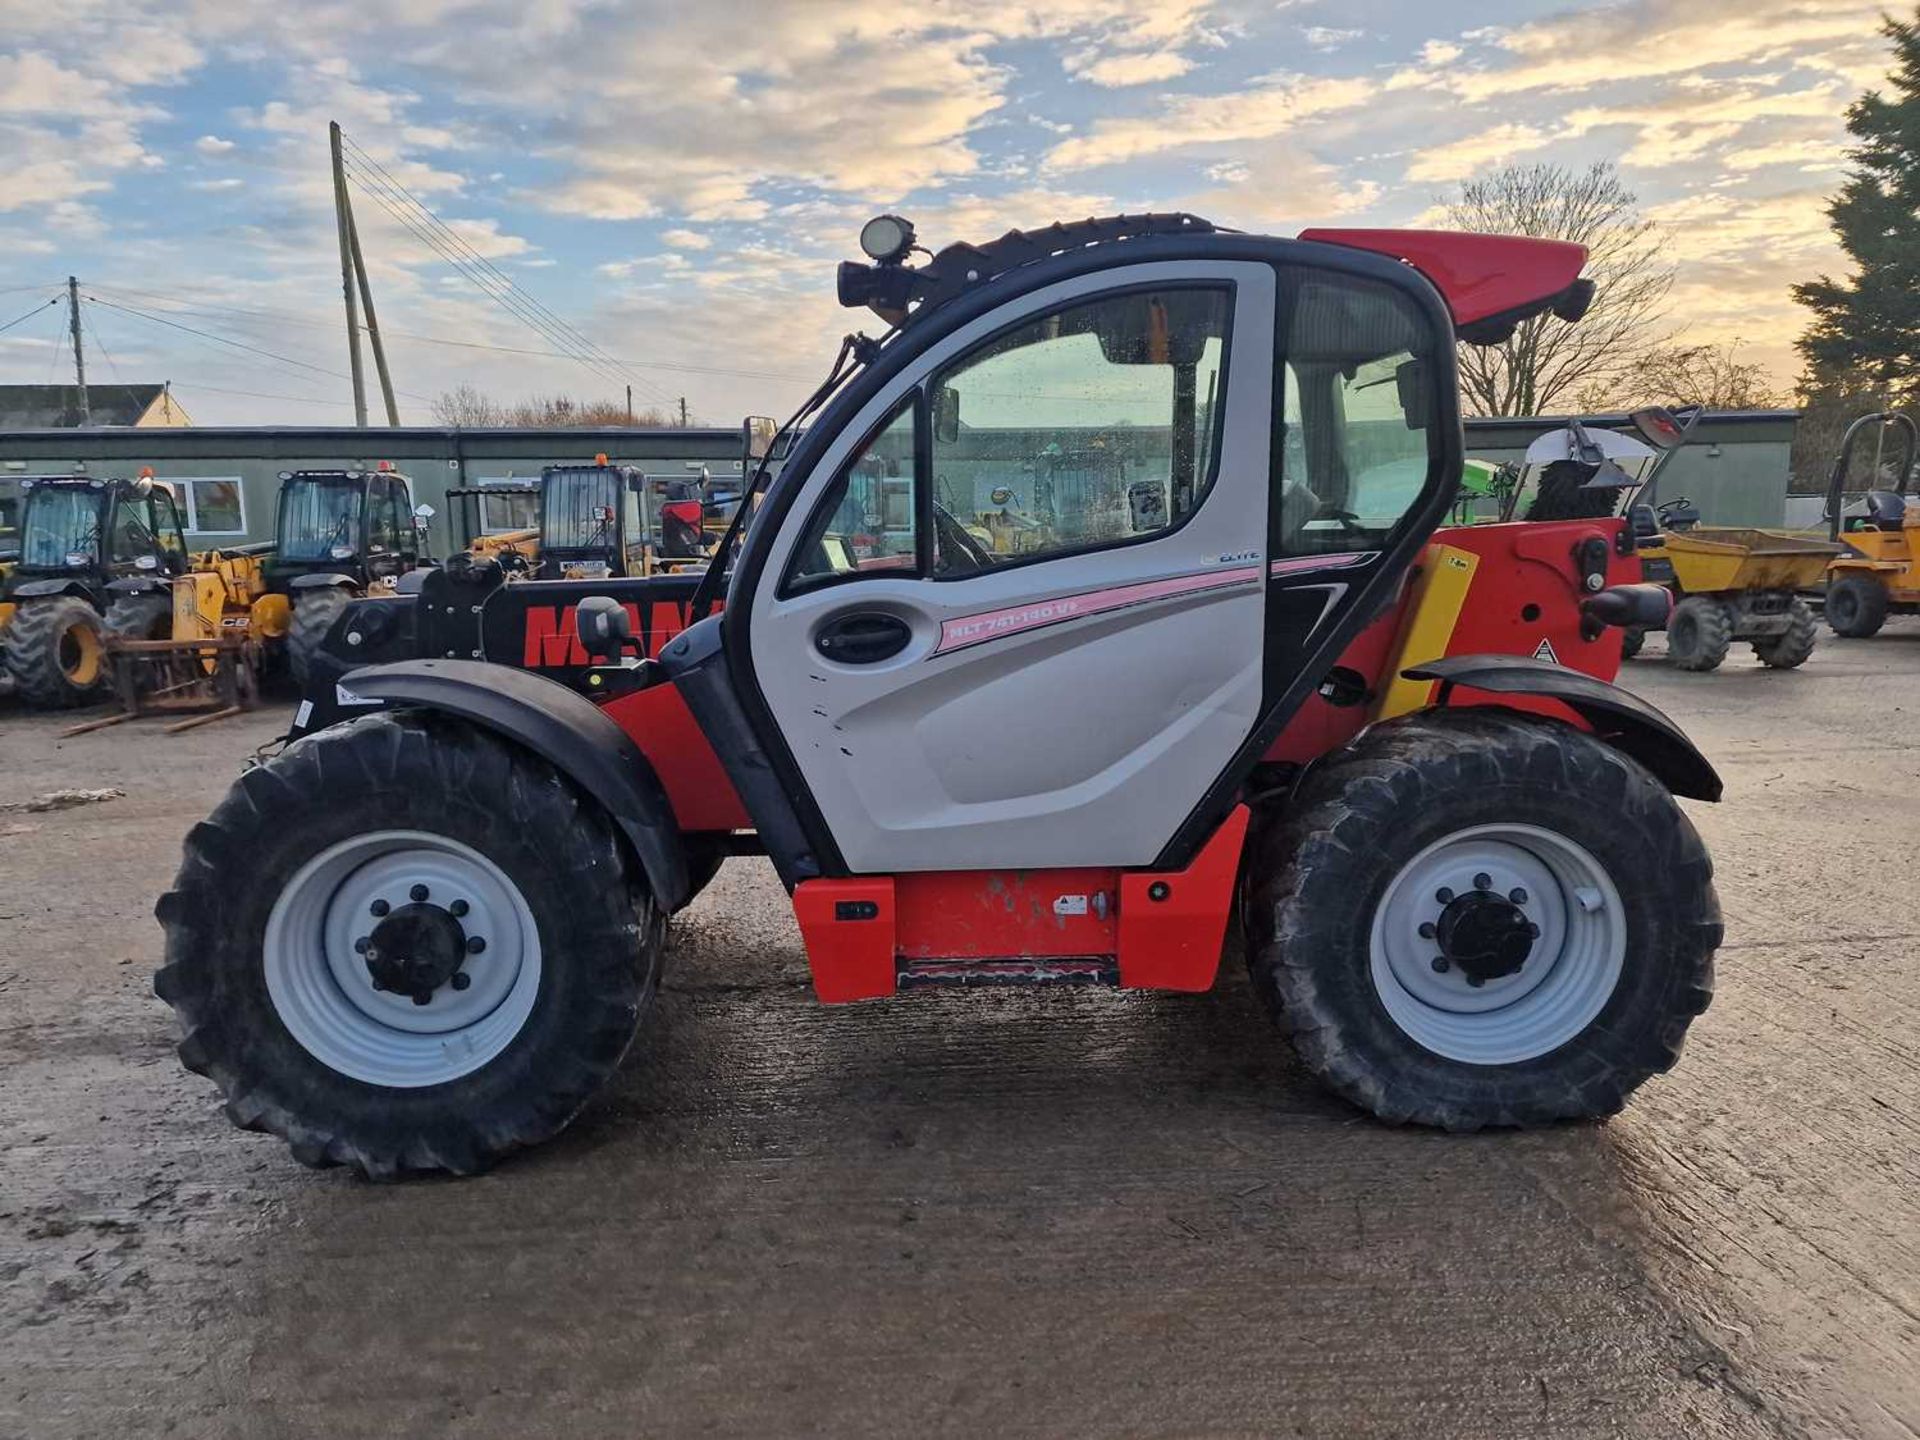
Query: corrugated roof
(49,407)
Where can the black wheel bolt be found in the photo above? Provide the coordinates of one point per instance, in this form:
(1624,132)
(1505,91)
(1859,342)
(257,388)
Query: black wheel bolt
(1427,930)
(1443,895)
(1483,881)
(1533,932)
(421,997)
(418,894)
(1475,981)
(363,944)
(460,980)
(378,986)
(379,907)
(1440,965)
(457,909)
(1517,895)
(475,944)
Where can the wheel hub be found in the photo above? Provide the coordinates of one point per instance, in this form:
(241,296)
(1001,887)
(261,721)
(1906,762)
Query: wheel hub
(415,950)
(1486,935)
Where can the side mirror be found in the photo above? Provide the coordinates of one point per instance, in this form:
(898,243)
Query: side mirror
(1415,393)
(756,433)
(1645,521)
(603,625)
(946,415)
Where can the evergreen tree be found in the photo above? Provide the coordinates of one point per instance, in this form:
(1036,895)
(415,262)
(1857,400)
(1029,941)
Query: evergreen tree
(1866,332)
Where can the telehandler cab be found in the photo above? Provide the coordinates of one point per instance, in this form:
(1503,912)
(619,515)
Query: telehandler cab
(1248,677)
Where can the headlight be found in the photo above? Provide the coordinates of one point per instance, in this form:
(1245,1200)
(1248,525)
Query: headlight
(78,559)
(341,552)
(886,238)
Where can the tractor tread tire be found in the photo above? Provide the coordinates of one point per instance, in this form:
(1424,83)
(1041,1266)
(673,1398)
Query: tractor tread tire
(602,939)
(1316,871)
(1792,647)
(139,617)
(1699,633)
(31,646)
(1861,609)
(314,612)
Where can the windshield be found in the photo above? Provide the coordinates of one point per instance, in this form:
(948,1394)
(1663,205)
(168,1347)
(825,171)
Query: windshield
(319,518)
(61,520)
(579,510)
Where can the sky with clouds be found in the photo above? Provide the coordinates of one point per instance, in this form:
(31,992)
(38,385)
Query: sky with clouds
(677,180)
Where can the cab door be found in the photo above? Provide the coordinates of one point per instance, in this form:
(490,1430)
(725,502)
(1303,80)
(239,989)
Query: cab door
(1026,630)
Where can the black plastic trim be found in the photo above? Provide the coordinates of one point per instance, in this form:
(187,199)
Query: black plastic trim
(567,730)
(30,589)
(1620,718)
(317,580)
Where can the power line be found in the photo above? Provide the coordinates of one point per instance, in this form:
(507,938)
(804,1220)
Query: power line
(483,273)
(238,345)
(193,385)
(30,314)
(283,317)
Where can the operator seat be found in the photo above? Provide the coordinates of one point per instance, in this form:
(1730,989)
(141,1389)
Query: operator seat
(1886,510)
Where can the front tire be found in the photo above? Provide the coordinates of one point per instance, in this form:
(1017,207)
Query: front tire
(1698,633)
(54,652)
(314,612)
(140,617)
(461,855)
(1571,838)
(1793,645)
(1856,606)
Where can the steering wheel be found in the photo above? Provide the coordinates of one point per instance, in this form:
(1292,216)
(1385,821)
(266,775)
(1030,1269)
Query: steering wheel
(1682,502)
(955,545)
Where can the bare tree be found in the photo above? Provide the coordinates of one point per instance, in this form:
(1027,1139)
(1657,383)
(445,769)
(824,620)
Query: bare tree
(1547,360)
(1711,375)
(472,409)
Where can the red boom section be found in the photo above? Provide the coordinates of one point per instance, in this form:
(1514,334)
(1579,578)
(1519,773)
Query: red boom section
(1480,275)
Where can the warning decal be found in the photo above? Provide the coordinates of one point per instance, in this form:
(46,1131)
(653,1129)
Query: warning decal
(1544,651)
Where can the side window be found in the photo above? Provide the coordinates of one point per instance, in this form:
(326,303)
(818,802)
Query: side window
(1361,394)
(132,530)
(1090,426)
(866,523)
(390,527)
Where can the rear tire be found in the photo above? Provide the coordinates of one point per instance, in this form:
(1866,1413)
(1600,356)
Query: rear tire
(1698,633)
(54,653)
(1616,882)
(314,612)
(1792,647)
(276,993)
(1856,606)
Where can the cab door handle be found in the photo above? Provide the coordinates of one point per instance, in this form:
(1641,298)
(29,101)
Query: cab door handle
(865,637)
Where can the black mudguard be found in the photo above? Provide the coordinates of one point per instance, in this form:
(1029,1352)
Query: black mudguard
(567,730)
(1623,720)
(38,589)
(329,579)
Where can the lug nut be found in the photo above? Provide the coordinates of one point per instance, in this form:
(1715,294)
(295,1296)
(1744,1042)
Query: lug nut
(1440,965)
(1475,981)
(1517,895)
(1443,895)
(421,997)
(1428,930)
(418,894)
(457,909)
(460,980)
(363,944)
(1483,881)
(1533,932)
(475,944)
(379,907)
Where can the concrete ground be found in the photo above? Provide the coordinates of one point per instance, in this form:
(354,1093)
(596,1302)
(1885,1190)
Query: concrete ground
(1049,1213)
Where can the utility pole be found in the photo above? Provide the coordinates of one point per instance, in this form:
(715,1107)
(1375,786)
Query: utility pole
(683,412)
(373,325)
(629,404)
(344,224)
(79,358)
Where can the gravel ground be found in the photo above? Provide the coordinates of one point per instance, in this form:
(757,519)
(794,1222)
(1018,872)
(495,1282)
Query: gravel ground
(1041,1213)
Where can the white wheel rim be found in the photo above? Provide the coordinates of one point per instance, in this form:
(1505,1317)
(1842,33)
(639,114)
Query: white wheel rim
(1569,974)
(323,990)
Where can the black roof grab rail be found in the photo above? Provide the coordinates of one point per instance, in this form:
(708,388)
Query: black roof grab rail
(1883,420)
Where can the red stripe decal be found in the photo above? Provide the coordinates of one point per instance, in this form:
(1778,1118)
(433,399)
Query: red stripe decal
(967,630)
(1303,563)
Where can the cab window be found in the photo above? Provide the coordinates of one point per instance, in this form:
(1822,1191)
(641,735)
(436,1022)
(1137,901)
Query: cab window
(1361,396)
(1095,424)
(868,521)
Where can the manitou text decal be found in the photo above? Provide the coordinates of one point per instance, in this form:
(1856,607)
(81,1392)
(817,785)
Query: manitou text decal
(551,641)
